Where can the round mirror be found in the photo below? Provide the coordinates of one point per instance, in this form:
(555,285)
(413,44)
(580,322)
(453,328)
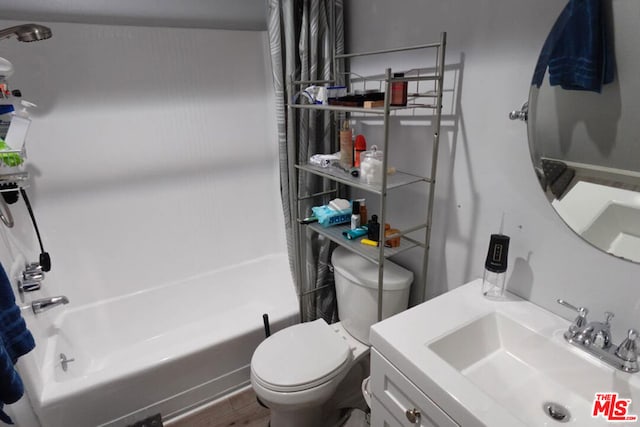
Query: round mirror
(584,122)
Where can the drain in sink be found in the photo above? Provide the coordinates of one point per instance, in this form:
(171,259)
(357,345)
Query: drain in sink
(557,412)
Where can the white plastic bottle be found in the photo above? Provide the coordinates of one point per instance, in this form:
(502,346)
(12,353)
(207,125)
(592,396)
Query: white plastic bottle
(355,214)
(19,126)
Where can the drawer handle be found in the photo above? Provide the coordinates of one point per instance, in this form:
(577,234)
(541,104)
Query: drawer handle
(413,415)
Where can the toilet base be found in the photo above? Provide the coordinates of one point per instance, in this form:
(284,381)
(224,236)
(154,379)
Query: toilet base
(347,396)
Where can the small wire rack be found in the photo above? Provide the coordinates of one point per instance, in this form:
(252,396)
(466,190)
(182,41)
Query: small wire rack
(13,176)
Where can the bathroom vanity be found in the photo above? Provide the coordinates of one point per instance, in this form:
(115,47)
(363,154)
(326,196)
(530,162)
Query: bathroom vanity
(461,359)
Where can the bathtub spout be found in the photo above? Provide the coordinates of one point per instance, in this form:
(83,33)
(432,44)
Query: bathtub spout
(45,304)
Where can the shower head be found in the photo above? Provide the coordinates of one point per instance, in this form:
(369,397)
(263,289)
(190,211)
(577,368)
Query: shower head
(27,32)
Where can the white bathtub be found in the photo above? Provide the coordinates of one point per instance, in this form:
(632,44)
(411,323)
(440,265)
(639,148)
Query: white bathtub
(162,350)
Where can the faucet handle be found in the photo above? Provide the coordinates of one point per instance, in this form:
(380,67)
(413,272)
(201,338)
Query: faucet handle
(628,350)
(28,285)
(608,316)
(580,321)
(33,268)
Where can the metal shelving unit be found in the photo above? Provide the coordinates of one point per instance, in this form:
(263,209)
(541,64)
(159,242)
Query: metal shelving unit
(389,182)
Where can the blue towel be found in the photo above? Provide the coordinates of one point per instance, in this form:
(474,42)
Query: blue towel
(13,330)
(577,51)
(11,388)
(15,341)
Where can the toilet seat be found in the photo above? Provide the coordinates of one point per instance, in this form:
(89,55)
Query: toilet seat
(300,357)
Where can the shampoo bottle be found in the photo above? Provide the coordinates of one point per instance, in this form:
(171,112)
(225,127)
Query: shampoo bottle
(495,267)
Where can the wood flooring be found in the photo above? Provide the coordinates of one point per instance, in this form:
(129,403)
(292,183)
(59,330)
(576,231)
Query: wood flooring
(240,409)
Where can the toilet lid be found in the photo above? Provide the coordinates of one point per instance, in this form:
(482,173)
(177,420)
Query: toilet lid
(300,357)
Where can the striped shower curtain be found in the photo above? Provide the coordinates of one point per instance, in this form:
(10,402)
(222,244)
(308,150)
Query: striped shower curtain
(300,38)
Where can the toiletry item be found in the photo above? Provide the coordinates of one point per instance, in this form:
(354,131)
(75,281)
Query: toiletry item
(355,215)
(363,211)
(371,166)
(359,146)
(495,267)
(19,126)
(340,204)
(334,92)
(324,160)
(369,242)
(309,220)
(399,91)
(355,233)
(346,146)
(328,216)
(373,104)
(393,242)
(374,229)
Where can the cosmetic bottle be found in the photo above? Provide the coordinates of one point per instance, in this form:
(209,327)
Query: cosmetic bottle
(495,267)
(373,229)
(355,215)
(359,146)
(346,146)
(399,91)
(363,211)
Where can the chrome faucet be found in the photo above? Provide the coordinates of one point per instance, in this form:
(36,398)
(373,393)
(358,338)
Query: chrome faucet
(32,277)
(595,339)
(45,304)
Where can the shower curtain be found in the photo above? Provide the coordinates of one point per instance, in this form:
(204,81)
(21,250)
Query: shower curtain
(300,39)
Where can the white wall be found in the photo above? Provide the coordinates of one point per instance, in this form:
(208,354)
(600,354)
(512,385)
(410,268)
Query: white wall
(485,172)
(153,155)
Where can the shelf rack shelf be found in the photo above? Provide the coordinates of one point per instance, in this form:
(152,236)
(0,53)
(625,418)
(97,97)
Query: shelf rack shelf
(398,179)
(334,176)
(371,253)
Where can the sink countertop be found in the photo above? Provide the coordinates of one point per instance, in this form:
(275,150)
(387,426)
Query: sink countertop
(404,340)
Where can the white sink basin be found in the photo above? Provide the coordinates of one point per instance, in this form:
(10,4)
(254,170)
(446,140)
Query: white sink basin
(616,229)
(607,217)
(509,362)
(498,363)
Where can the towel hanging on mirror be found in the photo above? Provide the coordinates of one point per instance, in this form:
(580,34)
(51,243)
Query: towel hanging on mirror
(578,49)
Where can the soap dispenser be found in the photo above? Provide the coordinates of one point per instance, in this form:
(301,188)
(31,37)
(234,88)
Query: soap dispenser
(19,126)
(495,267)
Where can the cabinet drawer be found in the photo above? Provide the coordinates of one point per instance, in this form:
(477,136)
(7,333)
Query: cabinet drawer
(380,417)
(400,397)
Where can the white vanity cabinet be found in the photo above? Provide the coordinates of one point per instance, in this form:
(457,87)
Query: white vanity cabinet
(396,401)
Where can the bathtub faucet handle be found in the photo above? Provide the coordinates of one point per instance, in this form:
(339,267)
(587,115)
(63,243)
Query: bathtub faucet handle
(33,271)
(28,285)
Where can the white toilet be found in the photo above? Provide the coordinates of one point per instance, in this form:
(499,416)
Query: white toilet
(297,371)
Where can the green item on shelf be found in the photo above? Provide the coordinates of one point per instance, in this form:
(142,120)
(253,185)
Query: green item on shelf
(9,159)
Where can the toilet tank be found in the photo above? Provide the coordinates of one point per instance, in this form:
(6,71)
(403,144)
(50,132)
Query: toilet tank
(357,291)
